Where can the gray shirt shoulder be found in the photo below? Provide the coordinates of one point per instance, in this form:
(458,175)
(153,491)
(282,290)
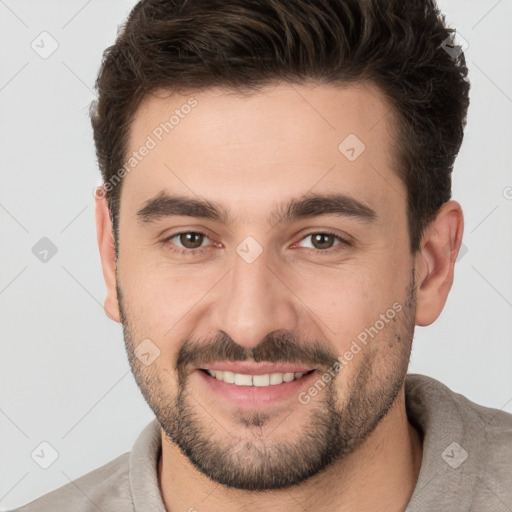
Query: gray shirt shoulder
(105,488)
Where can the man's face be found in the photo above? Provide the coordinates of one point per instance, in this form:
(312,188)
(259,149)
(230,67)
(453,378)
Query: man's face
(260,286)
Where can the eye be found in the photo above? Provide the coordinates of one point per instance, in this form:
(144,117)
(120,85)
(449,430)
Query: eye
(322,242)
(190,240)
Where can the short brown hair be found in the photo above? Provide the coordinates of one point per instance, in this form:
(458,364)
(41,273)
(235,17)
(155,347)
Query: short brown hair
(397,45)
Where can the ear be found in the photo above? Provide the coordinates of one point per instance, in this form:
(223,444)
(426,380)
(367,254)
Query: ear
(107,253)
(435,262)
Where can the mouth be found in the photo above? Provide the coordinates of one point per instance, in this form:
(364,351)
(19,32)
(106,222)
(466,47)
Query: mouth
(250,391)
(263,380)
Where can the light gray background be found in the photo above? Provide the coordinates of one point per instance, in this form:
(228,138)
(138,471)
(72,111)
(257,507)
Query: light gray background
(64,374)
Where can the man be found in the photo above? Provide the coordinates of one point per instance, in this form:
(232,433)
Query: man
(274,221)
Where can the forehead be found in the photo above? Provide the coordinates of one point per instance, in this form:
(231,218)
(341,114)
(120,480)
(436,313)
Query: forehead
(282,141)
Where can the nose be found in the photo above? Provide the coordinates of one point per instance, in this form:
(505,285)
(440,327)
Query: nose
(254,301)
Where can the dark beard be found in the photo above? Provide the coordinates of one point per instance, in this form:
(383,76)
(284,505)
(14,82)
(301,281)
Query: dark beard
(252,462)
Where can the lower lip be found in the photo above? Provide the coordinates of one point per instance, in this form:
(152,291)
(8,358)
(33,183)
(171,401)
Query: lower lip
(250,397)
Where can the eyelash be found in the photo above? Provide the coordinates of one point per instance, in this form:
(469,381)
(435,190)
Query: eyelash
(200,250)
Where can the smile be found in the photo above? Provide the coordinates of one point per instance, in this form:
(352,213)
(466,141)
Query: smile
(268,379)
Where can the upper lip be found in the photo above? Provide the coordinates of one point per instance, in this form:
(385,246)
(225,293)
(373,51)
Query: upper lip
(249,368)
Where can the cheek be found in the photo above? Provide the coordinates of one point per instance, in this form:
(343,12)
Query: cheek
(162,302)
(347,301)
(150,289)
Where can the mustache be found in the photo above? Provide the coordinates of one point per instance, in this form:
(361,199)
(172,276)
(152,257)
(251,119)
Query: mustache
(277,347)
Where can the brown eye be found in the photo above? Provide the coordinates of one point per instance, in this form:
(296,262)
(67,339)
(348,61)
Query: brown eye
(187,243)
(325,242)
(322,240)
(191,239)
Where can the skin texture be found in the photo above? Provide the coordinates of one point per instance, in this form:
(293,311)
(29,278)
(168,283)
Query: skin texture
(351,447)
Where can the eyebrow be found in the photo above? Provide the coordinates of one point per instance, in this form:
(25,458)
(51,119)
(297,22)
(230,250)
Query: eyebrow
(308,206)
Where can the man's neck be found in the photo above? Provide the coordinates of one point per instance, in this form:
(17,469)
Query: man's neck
(380,475)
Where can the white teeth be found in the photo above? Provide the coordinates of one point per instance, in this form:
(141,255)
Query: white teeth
(276,378)
(288,377)
(269,379)
(261,380)
(243,380)
(228,377)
